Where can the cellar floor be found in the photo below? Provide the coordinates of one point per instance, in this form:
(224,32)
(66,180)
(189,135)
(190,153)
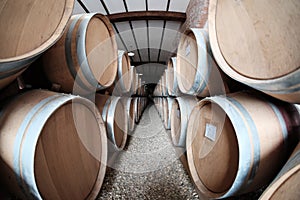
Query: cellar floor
(149,168)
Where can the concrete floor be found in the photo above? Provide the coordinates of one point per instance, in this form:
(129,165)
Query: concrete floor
(149,168)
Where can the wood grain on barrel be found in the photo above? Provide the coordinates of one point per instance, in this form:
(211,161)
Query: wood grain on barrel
(286,184)
(116,120)
(259,39)
(51,154)
(221,152)
(197,72)
(84,60)
(219,126)
(257,44)
(31,27)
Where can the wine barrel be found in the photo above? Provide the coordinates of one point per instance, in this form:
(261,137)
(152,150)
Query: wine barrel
(136,109)
(46,150)
(161,112)
(132,115)
(139,105)
(136,84)
(139,86)
(167,112)
(84,60)
(237,144)
(239,29)
(123,81)
(197,72)
(24,35)
(157,91)
(164,107)
(172,83)
(115,118)
(133,83)
(157,101)
(164,84)
(128,103)
(286,185)
(180,114)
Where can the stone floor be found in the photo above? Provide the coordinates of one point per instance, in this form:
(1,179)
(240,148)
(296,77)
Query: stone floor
(149,168)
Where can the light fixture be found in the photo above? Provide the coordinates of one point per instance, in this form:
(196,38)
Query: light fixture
(130,54)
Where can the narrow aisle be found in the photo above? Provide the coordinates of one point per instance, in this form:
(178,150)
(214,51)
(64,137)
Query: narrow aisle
(148,167)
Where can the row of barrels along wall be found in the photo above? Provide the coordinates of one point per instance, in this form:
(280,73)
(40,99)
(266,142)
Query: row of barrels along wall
(237,138)
(56,145)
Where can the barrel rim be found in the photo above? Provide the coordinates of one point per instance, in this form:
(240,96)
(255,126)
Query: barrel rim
(272,189)
(184,108)
(291,168)
(202,74)
(173,89)
(82,52)
(110,121)
(272,85)
(132,119)
(124,87)
(136,110)
(170,101)
(56,35)
(244,155)
(60,99)
(175,141)
(133,83)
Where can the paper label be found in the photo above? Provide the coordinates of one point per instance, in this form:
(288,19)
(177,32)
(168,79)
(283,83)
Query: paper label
(210,131)
(188,49)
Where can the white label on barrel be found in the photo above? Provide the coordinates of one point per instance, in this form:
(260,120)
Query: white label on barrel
(210,131)
(188,49)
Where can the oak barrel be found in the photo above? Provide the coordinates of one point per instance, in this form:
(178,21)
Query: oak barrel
(84,60)
(139,86)
(197,72)
(286,185)
(115,117)
(129,109)
(28,27)
(167,112)
(180,114)
(157,90)
(253,48)
(53,146)
(164,89)
(136,109)
(158,106)
(133,83)
(237,144)
(123,81)
(172,83)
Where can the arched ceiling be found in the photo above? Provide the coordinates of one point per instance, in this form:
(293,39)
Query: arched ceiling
(149,28)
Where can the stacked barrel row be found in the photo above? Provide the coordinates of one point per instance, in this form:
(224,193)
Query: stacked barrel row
(56,145)
(238,138)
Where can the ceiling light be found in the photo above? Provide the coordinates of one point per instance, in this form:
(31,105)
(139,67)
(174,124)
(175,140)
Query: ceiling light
(130,54)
